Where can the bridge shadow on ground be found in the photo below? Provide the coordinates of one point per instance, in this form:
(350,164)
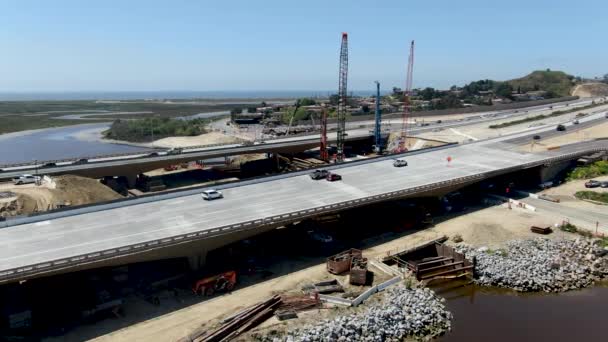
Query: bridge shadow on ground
(262,258)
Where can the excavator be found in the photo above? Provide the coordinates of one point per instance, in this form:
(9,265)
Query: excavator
(216,283)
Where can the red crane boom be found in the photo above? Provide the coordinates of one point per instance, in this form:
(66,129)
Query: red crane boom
(324,155)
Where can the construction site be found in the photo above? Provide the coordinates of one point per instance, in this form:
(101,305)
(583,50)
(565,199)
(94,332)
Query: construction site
(354,259)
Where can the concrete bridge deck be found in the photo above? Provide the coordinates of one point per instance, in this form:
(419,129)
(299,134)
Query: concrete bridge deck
(62,243)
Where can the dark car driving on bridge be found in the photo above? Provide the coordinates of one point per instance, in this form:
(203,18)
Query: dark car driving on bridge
(400,163)
(319,174)
(332,177)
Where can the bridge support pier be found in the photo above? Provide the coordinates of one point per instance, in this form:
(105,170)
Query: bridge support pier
(553,171)
(197,261)
(131,180)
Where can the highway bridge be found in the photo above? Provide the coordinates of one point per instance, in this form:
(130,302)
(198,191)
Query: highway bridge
(182,224)
(130,165)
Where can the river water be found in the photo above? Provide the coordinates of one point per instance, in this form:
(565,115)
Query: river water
(58,143)
(482,314)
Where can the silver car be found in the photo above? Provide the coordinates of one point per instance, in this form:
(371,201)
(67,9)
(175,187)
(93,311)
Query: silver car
(400,163)
(25,179)
(209,195)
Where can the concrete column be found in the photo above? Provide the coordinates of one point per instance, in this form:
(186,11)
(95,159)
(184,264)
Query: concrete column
(131,180)
(197,261)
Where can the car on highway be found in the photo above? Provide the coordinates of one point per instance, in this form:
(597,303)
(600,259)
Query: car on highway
(400,163)
(81,161)
(536,137)
(211,194)
(25,179)
(592,184)
(50,164)
(320,237)
(319,174)
(175,150)
(560,128)
(604,184)
(576,122)
(332,177)
(152,154)
(606,115)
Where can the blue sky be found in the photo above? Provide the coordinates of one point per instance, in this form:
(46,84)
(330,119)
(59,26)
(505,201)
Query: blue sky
(93,45)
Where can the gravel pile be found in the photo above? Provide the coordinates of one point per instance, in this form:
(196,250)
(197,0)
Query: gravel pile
(540,264)
(402,313)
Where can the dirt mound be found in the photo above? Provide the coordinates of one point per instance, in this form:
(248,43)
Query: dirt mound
(203,139)
(17,204)
(82,190)
(62,191)
(590,90)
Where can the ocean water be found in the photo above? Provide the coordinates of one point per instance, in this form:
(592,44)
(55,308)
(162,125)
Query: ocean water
(186,94)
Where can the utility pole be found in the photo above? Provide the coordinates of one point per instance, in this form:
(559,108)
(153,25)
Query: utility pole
(377,130)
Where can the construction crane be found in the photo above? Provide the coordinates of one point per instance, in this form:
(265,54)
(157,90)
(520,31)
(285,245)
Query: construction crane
(323,154)
(377,128)
(406,100)
(342,97)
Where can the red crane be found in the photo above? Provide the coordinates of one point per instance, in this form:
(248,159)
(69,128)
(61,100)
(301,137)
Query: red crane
(342,97)
(406,100)
(324,155)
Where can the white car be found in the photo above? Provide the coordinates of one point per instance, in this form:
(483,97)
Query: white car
(209,195)
(25,179)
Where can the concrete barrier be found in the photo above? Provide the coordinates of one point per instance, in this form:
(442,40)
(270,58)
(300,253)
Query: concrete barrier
(335,300)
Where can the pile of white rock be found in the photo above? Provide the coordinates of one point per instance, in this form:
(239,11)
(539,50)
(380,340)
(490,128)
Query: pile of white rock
(403,313)
(540,264)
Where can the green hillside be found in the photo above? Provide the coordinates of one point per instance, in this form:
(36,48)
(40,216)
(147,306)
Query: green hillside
(557,83)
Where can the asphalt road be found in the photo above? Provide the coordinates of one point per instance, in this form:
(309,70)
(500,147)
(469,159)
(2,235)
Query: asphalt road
(577,216)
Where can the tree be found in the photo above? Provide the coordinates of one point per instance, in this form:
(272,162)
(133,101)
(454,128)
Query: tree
(263,104)
(397,91)
(365,108)
(251,110)
(307,102)
(334,99)
(504,90)
(428,94)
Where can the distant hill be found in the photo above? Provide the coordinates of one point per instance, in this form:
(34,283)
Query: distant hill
(592,89)
(557,83)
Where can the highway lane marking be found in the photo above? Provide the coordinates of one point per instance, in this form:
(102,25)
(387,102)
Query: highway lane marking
(463,134)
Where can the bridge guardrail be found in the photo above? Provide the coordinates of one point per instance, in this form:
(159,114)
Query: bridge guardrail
(272,220)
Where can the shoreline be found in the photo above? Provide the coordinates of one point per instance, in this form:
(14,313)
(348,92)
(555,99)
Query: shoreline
(19,134)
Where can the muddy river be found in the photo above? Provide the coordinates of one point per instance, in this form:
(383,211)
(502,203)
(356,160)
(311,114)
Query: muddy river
(482,314)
